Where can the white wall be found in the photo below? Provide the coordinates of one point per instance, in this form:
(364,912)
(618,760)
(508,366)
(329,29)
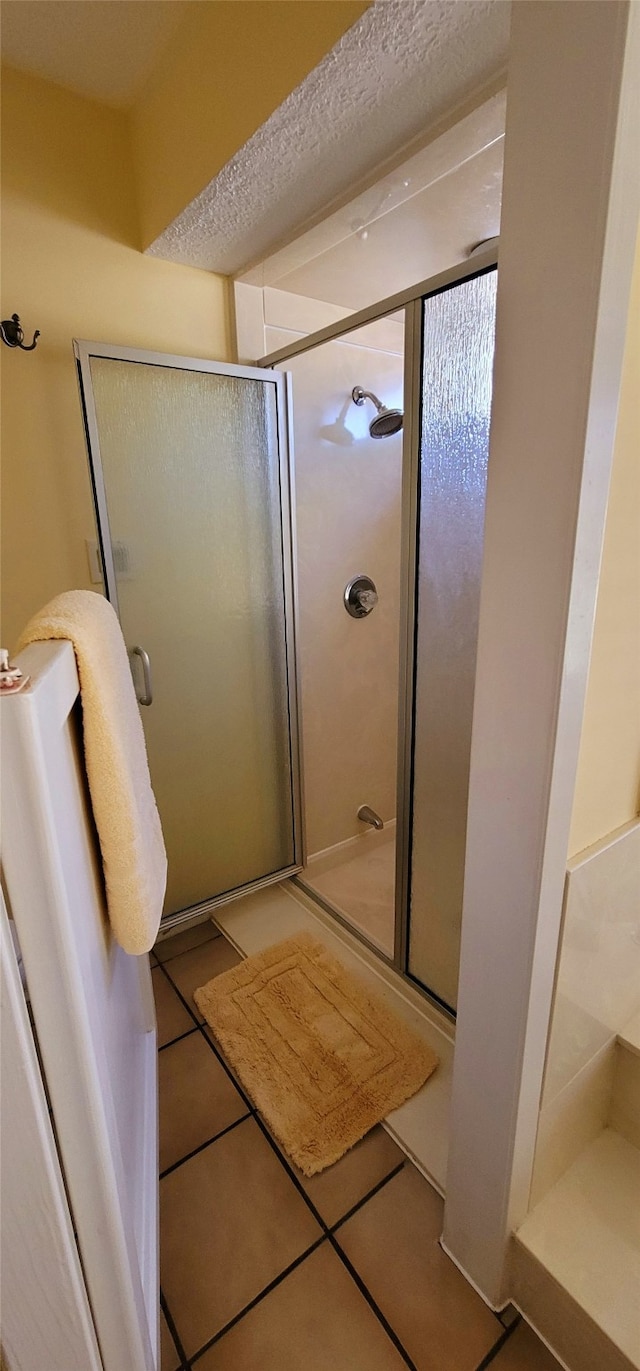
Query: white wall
(348,490)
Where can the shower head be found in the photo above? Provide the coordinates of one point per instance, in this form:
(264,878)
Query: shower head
(386,421)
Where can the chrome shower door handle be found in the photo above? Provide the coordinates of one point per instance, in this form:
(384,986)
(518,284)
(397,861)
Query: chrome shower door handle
(147,697)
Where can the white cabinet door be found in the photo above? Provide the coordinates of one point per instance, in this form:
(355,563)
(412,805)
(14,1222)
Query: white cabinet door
(92,1005)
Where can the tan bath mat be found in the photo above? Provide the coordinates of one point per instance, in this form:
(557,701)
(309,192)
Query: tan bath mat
(321,1057)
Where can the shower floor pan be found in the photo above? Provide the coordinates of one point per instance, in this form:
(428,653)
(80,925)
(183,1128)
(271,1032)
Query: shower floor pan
(358,880)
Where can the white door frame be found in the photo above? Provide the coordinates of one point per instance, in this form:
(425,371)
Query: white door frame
(569,221)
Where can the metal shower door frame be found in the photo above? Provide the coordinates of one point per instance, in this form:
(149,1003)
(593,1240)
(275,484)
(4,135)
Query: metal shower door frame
(84,350)
(411,301)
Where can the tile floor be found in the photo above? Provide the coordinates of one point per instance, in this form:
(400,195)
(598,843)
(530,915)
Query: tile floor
(264,1270)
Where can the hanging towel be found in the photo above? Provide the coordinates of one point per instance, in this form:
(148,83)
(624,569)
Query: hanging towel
(124,808)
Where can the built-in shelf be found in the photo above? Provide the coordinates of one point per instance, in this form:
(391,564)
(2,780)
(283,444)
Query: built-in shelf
(586,1234)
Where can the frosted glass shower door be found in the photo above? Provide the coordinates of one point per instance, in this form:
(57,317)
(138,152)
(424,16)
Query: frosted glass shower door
(458,345)
(190,473)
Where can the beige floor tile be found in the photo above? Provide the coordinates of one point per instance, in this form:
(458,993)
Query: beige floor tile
(197,1099)
(194,968)
(184,941)
(393,1244)
(212,1038)
(316,1320)
(171,1015)
(169,1359)
(335,1191)
(231,1221)
(524,1352)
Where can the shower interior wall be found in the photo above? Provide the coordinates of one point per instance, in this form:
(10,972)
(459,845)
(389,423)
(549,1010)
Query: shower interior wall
(348,510)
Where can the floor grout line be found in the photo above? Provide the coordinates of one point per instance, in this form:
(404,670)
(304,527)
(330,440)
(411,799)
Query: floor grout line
(185,1003)
(272,1143)
(235,1080)
(498,1345)
(179,1037)
(184,1362)
(514,1316)
(160,961)
(258,1298)
(202,1146)
(369,1196)
(373,1305)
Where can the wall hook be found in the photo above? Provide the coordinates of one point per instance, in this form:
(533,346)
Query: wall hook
(13,334)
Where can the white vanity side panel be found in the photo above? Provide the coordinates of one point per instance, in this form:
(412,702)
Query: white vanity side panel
(46,1318)
(92,1005)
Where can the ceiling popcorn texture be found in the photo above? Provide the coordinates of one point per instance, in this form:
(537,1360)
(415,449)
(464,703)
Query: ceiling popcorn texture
(398,70)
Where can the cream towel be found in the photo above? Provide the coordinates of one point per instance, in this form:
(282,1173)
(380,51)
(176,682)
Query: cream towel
(133,853)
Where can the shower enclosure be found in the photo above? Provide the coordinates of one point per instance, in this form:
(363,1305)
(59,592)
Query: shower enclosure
(387,699)
(191,469)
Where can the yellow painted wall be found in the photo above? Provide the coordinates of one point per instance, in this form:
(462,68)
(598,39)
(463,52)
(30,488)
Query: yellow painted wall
(230,66)
(71,268)
(608,784)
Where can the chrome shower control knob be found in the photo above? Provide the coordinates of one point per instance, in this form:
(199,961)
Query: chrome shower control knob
(360,597)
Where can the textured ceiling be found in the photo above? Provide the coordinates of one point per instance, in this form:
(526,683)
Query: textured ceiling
(418,219)
(105,49)
(404,65)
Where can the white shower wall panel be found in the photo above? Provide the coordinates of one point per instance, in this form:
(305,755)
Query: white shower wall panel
(348,509)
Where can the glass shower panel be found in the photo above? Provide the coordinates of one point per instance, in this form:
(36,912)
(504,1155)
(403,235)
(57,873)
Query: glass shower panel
(458,345)
(348,515)
(191,473)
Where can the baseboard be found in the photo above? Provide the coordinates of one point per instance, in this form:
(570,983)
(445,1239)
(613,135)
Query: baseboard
(330,857)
